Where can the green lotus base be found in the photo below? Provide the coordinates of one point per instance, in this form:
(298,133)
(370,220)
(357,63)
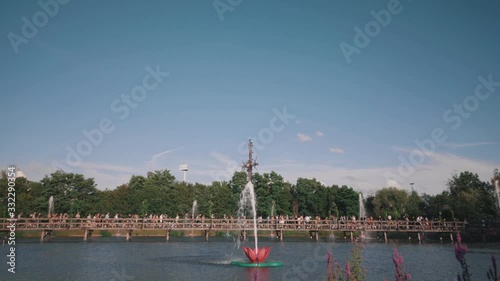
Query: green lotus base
(254,264)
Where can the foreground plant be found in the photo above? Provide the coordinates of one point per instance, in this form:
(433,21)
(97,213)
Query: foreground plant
(401,275)
(460,251)
(492,274)
(354,271)
(334,272)
(357,271)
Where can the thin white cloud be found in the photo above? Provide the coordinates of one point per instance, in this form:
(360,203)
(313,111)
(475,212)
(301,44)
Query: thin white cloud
(430,178)
(109,167)
(155,158)
(107,180)
(303,137)
(298,122)
(319,133)
(222,158)
(336,150)
(105,175)
(453,145)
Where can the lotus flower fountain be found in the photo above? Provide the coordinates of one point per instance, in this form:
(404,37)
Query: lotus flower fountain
(257,256)
(247,200)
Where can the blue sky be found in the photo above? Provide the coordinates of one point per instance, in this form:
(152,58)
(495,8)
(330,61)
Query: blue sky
(354,119)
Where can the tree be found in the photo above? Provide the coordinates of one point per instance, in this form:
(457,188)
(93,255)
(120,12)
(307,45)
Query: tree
(308,197)
(224,202)
(67,189)
(415,206)
(347,201)
(238,182)
(470,198)
(390,201)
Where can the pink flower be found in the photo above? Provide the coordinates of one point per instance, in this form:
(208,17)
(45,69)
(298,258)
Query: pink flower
(399,264)
(347,270)
(460,249)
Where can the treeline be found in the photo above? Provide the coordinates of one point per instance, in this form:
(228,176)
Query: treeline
(466,197)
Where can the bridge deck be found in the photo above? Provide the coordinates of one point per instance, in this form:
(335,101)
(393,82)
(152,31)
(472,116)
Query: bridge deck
(27,224)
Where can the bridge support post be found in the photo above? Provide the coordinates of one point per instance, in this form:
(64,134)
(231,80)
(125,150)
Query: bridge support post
(206,235)
(409,236)
(88,234)
(451,237)
(385,236)
(129,234)
(45,234)
(352,236)
(167,235)
(419,237)
(281,235)
(317,235)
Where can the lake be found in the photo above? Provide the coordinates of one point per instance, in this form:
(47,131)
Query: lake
(185,258)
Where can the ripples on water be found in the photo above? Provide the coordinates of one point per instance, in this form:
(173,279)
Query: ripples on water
(114,259)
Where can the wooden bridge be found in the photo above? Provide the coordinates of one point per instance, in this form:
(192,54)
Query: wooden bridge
(46,226)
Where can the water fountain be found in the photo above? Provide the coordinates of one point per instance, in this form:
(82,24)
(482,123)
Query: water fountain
(362,213)
(193,214)
(272,208)
(272,215)
(51,205)
(497,191)
(247,201)
(362,210)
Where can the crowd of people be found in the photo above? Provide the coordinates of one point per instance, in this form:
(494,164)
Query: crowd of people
(107,220)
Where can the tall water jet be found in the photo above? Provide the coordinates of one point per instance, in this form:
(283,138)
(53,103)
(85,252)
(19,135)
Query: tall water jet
(51,205)
(497,190)
(193,209)
(272,208)
(362,209)
(362,213)
(193,215)
(247,201)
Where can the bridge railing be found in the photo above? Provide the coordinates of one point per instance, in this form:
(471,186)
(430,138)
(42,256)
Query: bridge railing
(228,224)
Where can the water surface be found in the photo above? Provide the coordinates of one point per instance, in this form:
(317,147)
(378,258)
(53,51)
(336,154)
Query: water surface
(114,259)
